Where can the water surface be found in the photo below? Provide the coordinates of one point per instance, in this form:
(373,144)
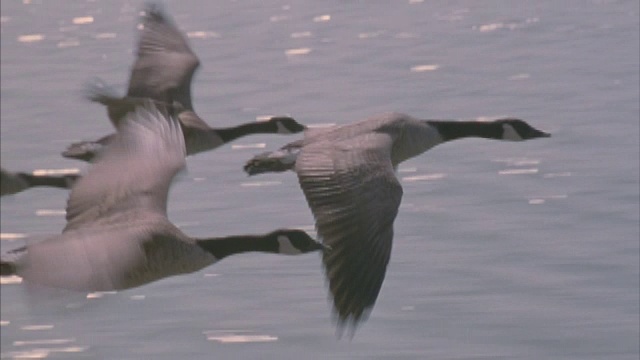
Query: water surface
(502,250)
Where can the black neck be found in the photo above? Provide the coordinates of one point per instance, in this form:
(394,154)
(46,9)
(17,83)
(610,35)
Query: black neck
(63,182)
(224,246)
(232,133)
(7,268)
(451,130)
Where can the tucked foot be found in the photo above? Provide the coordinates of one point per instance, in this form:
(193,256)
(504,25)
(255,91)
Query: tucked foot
(85,150)
(277,161)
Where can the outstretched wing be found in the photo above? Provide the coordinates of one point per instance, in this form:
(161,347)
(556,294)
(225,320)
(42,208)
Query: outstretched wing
(354,195)
(165,63)
(134,172)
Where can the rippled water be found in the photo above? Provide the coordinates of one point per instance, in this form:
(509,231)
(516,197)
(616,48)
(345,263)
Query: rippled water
(502,250)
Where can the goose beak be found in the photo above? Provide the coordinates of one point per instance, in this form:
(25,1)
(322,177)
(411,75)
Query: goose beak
(540,134)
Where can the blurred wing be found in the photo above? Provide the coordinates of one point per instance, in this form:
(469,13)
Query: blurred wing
(134,172)
(354,195)
(165,63)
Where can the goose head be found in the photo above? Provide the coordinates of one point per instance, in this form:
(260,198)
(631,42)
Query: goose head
(518,130)
(294,242)
(286,125)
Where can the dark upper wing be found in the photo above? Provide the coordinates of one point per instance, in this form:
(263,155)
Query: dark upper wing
(165,63)
(134,172)
(354,195)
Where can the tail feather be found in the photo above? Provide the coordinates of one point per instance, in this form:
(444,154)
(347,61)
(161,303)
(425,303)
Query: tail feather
(9,260)
(7,268)
(98,91)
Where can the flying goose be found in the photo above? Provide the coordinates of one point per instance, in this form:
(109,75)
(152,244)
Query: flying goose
(117,234)
(347,174)
(12,183)
(162,71)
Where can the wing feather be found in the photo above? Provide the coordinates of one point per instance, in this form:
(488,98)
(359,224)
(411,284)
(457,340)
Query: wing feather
(354,196)
(134,173)
(165,63)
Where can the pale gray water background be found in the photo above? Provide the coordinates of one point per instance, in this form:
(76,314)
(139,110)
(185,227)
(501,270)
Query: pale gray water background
(502,250)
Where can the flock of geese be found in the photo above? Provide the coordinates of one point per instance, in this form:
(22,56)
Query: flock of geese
(118,235)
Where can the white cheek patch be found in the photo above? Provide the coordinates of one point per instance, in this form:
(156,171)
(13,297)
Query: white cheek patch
(509,133)
(282,129)
(286,247)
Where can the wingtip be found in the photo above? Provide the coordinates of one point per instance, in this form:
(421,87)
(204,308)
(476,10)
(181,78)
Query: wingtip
(345,327)
(347,323)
